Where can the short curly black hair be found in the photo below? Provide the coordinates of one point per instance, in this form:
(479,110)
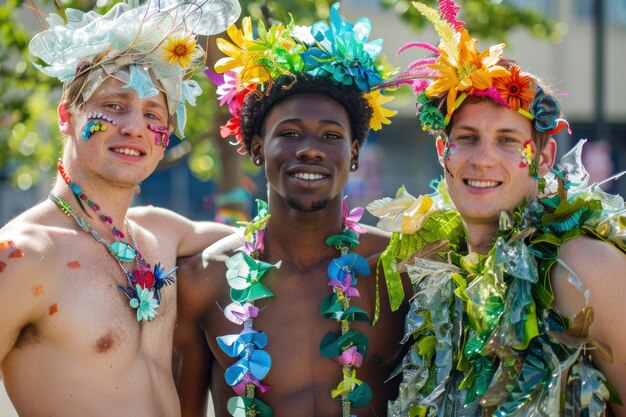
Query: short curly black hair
(256,106)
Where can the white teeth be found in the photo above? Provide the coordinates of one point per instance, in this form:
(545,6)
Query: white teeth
(308,176)
(126,151)
(482,184)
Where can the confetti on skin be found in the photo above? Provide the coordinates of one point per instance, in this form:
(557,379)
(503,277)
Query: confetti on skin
(53,309)
(2,266)
(73,264)
(37,290)
(5,244)
(17,253)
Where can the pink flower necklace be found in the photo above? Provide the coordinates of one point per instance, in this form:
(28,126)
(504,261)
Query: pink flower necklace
(144,284)
(346,348)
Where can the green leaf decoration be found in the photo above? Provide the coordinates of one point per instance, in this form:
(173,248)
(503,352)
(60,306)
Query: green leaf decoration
(361,395)
(245,407)
(332,344)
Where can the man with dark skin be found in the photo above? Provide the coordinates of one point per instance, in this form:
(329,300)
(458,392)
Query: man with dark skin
(306,132)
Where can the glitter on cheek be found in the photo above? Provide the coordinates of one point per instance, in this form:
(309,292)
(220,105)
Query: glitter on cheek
(6,244)
(17,253)
(54,308)
(37,290)
(73,264)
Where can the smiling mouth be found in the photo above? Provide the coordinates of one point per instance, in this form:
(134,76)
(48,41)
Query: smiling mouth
(482,184)
(308,176)
(127,151)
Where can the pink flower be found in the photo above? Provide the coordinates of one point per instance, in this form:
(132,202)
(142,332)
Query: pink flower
(351,217)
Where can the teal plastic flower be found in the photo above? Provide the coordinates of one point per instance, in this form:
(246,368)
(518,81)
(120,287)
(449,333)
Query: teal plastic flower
(145,303)
(342,51)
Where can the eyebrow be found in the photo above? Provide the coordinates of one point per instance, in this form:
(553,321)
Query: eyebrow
(126,96)
(323,121)
(502,130)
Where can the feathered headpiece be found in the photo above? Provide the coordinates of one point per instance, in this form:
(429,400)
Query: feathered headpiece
(336,50)
(150,47)
(458,70)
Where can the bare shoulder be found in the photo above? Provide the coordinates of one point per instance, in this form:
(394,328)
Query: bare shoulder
(200,277)
(30,247)
(374,242)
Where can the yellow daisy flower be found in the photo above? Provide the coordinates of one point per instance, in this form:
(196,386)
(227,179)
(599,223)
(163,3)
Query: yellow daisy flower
(380,114)
(179,50)
(235,51)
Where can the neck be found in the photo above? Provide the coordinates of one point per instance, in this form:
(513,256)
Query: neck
(480,237)
(113,201)
(299,236)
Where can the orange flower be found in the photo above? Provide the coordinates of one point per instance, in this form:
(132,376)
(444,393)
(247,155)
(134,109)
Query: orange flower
(472,71)
(179,50)
(515,89)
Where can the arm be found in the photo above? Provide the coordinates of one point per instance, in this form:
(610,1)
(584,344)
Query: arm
(192,368)
(191,236)
(22,287)
(602,268)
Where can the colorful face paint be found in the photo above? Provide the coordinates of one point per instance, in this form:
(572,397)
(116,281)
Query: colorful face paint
(528,153)
(161,135)
(95,125)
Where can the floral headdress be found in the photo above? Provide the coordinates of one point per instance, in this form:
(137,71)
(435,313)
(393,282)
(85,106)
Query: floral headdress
(150,47)
(458,71)
(336,50)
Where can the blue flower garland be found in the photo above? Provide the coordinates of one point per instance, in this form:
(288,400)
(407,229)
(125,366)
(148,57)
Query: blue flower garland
(347,348)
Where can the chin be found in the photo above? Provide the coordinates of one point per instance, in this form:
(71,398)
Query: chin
(311,206)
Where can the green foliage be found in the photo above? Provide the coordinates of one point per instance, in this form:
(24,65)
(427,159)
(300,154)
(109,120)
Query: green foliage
(485,19)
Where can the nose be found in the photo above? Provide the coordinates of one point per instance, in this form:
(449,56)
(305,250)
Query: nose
(310,148)
(484,153)
(133,124)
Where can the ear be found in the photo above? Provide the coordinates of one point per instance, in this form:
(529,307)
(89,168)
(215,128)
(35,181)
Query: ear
(547,157)
(65,118)
(441,147)
(256,149)
(355,151)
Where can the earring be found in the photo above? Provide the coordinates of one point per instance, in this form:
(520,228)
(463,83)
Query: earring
(354,166)
(138,188)
(258,161)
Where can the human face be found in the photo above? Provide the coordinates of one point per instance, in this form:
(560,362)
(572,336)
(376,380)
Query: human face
(126,152)
(306,143)
(485,174)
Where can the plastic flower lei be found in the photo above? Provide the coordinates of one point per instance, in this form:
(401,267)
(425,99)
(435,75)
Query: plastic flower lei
(458,70)
(335,49)
(347,348)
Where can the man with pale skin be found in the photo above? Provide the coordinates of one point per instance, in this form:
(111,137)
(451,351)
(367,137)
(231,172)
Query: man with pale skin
(86,328)
(517,262)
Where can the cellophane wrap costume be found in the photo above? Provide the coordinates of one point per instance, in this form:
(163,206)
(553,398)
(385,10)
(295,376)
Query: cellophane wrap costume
(484,337)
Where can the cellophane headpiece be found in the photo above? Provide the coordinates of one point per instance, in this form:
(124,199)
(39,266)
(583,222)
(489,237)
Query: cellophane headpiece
(458,71)
(336,50)
(152,47)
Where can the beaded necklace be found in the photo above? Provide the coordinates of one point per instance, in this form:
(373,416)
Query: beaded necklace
(144,284)
(347,348)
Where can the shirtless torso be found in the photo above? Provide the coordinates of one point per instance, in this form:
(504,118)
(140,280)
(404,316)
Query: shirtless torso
(70,344)
(300,377)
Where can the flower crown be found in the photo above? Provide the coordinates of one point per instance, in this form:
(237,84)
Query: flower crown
(150,47)
(334,49)
(458,71)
